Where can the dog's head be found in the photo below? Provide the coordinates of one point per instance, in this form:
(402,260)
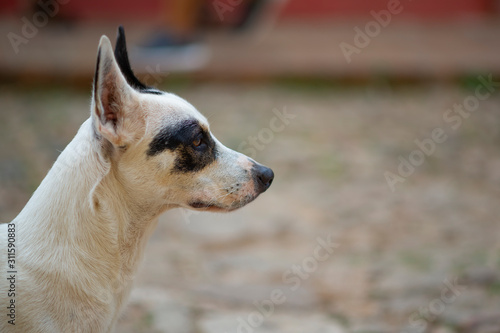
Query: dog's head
(160,147)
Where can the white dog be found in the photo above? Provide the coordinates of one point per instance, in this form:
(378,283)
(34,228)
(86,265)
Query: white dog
(70,255)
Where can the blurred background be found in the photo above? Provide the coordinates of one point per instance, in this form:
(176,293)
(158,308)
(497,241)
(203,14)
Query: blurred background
(381,120)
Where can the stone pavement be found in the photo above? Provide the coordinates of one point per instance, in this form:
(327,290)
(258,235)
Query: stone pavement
(403,49)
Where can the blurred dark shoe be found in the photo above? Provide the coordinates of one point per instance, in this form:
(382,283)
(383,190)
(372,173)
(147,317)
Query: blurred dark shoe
(164,53)
(251,14)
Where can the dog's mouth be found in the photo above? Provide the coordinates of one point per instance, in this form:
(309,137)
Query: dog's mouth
(217,207)
(200,205)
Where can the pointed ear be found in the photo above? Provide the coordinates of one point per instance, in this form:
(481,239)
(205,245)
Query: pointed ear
(112,96)
(121,56)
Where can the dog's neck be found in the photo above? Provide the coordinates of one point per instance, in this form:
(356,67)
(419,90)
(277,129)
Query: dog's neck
(81,207)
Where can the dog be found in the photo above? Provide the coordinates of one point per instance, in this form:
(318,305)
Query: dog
(70,255)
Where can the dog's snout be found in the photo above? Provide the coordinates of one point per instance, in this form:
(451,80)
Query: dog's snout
(264,177)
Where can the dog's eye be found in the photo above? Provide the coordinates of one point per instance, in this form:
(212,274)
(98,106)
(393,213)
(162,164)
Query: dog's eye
(197,142)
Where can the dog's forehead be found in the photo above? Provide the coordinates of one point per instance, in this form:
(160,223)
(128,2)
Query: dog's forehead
(168,109)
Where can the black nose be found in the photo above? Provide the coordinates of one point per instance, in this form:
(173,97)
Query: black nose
(263,177)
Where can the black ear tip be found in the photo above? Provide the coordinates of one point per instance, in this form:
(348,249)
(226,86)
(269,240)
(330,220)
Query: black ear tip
(120,38)
(121,44)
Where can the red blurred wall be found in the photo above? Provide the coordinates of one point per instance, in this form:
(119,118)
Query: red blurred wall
(419,8)
(146,9)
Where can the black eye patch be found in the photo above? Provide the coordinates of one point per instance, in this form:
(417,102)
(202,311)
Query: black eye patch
(171,137)
(180,139)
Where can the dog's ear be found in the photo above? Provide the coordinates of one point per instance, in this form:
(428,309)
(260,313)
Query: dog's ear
(121,56)
(112,97)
